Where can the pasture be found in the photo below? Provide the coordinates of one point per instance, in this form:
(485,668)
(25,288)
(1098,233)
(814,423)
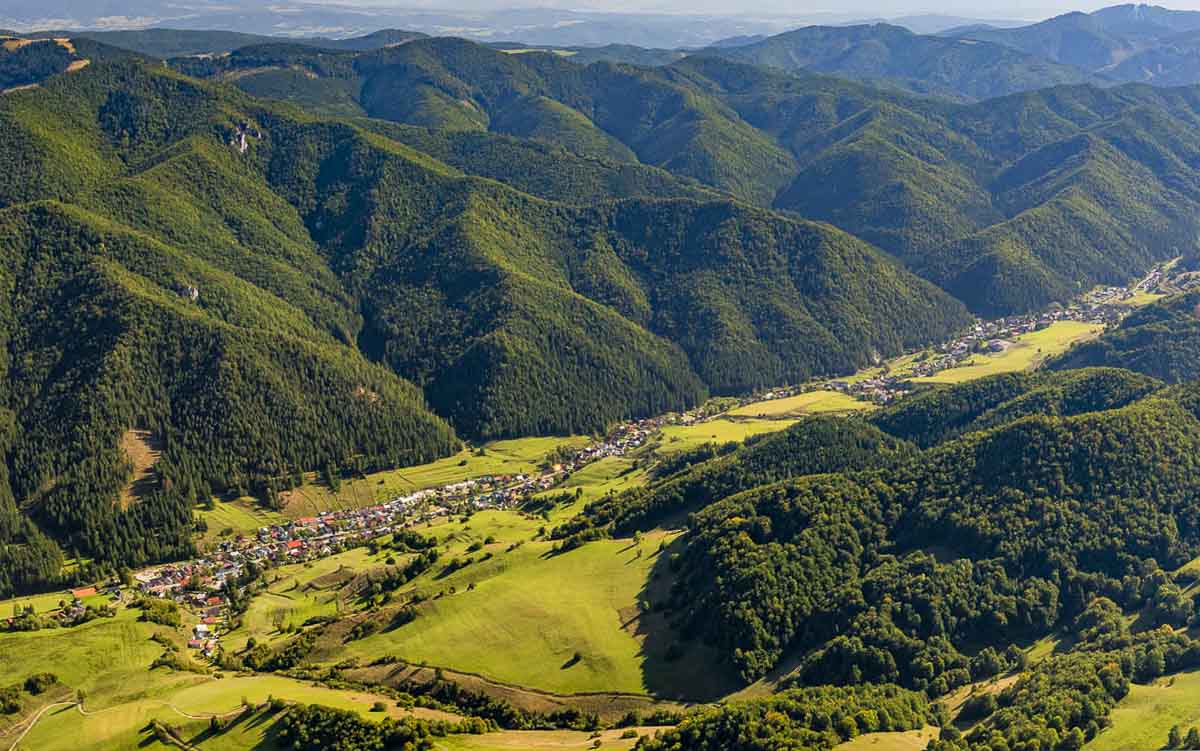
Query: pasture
(677,438)
(565,623)
(909,740)
(188,707)
(1144,717)
(809,403)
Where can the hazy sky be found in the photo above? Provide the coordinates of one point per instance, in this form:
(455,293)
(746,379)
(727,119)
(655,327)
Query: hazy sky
(1030,9)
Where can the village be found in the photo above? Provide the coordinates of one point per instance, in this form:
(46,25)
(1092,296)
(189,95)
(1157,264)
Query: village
(202,586)
(1104,306)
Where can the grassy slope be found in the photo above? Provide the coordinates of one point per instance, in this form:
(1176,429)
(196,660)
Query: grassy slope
(911,740)
(530,613)
(1143,718)
(121,726)
(107,658)
(530,610)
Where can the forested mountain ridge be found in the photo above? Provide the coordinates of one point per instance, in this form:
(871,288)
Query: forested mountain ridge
(1142,43)
(28,61)
(895,56)
(189,261)
(1040,503)
(166,43)
(1009,204)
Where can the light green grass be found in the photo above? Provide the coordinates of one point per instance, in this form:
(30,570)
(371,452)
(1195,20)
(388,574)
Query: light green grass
(522,455)
(1042,648)
(46,603)
(909,740)
(529,614)
(1139,299)
(1027,352)
(242,516)
(122,726)
(810,403)
(676,438)
(1144,717)
(613,474)
(109,658)
(226,695)
(298,592)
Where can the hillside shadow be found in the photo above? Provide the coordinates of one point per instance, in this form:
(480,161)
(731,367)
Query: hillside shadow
(672,668)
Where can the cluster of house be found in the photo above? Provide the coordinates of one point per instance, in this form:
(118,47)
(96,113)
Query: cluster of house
(993,337)
(201,585)
(1100,306)
(205,634)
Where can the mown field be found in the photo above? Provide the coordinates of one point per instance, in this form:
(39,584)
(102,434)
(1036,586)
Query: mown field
(911,740)
(189,706)
(810,403)
(676,438)
(559,623)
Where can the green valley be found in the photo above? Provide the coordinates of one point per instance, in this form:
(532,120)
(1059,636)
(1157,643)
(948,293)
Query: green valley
(828,391)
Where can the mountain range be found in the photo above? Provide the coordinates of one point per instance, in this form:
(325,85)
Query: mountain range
(1142,43)
(1008,205)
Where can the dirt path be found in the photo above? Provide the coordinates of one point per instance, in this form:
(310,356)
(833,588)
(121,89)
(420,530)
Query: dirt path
(34,720)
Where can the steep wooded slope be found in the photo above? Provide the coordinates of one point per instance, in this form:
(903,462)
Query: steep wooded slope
(1009,204)
(1035,494)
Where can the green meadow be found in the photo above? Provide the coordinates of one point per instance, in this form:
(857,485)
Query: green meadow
(188,707)
(558,623)
(676,438)
(809,403)
(1145,716)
